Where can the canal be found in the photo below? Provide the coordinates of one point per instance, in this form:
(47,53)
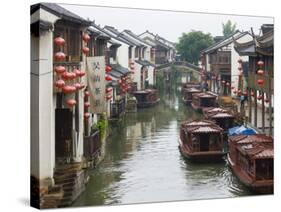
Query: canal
(143,164)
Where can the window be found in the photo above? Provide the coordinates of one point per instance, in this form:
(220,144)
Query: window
(73,42)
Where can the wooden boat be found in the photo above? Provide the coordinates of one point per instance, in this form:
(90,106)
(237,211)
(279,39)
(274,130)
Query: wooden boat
(191,85)
(221,117)
(251,160)
(201,101)
(146,98)
(187,94)
(201,141)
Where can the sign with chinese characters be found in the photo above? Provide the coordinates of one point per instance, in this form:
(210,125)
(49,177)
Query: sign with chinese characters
(96,84)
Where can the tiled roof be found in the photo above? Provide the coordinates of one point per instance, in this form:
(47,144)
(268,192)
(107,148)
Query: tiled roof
(60,12)
(221,115)
(205,129)
(257,150)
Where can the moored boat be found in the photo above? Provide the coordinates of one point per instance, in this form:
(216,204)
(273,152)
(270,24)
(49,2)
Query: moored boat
(187,94)
(146,98)
(201,141)
(201,101)
(251,160)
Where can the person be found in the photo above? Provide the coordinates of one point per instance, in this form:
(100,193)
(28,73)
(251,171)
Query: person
(206,86)
(242,101)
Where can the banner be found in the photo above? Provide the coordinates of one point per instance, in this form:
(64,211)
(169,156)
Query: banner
(96,84)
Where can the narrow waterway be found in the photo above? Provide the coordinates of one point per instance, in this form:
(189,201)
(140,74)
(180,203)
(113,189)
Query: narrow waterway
(143,163)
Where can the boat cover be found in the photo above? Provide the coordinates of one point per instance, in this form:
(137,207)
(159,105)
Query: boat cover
(241,130)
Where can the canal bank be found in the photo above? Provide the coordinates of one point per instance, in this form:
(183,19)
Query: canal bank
(142,162)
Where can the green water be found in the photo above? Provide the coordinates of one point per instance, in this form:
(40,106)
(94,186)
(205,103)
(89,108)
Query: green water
(143,164)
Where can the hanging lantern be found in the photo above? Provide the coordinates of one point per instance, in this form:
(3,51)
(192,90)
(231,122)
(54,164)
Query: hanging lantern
(71,102)
(77,72)
(266,100)
(260,81)
(108,90)
(59,56)
(108,69)
(59,41)
(59,69)
(260,63)
(259,97)
(86,37)
(85,50)
(60,83)
(87,104)
(86,115)
(108,97)
(260,72)
(87,93)
(77,85)
(108,78)
(228,84)
(68,75)
(68,89)
(239,60)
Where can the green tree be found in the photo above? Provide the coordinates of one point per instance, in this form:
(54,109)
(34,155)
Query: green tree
(228,28)
(191,44)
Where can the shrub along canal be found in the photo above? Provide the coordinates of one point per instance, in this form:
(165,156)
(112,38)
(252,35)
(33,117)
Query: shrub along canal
(143,164)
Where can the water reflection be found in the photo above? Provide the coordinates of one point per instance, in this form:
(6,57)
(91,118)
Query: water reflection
(143,163)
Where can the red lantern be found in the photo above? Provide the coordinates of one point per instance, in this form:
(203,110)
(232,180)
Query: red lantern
(60,83)
(59,69)
(266,100)
(59,56)
(259,97)
(260,72)
(77,72)
(82,73)
(108,90)
(85,50)
(59,41)
(87,104)
(87,93)
(68,89)
(239,60)
(108,78)
(108,69)
(86,115)
(86,37)
(71,102)
(260,81)
(252,93)
(228,84)
(77,85)
(68,75)
(108,97)
(260,63)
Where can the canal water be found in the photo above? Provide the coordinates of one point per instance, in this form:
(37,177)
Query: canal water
(143,164)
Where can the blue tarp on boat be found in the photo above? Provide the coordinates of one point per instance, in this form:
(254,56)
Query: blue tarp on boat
(241,130)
